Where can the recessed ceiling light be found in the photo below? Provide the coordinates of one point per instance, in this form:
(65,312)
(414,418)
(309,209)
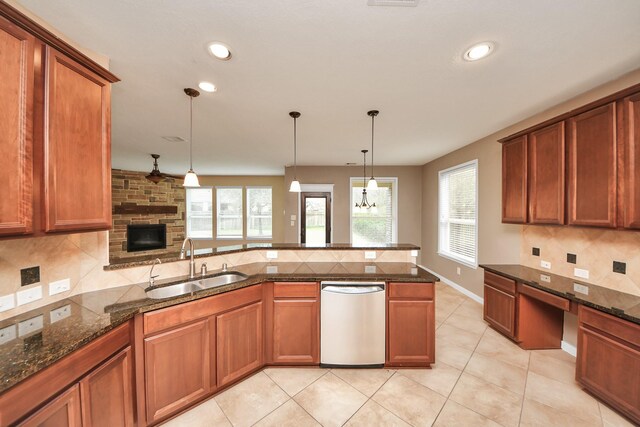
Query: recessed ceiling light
(207,87)
(220,51)
(479,51)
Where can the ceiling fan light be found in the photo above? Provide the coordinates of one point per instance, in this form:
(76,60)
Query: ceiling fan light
(372,184)
(295,186)
(191,179)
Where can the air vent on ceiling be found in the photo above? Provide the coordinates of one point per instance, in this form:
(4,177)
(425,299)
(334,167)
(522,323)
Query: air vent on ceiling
(174,138)
(411,3)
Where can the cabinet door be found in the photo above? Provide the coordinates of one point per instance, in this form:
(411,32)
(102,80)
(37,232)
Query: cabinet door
(592,167)
(296,324)
(177,364)
(239,342)
(500,310)
(77,147)
(610,369)
(107,398)
(16,129)
(546,175)
(631,203)
(63,411)
(514,181)
(411,332)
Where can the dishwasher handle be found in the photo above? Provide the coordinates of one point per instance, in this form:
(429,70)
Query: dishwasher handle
(353,289)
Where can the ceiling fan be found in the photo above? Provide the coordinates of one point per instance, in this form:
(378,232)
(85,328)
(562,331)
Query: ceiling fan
(156,176)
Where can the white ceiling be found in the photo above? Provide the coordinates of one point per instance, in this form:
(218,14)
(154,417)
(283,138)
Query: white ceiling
(333,60)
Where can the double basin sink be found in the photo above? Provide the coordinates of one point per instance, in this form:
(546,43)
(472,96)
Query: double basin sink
(195,285)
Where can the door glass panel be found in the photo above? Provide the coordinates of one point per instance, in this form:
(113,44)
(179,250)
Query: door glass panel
(316,221)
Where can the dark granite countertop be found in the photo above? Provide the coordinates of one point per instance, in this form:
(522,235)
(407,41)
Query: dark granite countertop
(73,322)
(620,304)
(135,261)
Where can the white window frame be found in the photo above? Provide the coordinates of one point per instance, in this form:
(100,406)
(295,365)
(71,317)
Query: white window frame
(186,213)
(246,210)
(394,208)
(242,214)
(442,252)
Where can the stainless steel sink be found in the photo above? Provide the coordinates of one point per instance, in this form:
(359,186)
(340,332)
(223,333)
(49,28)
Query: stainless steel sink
(174,290)
(221,279)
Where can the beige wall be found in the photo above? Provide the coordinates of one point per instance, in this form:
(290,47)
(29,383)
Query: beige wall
(409,198)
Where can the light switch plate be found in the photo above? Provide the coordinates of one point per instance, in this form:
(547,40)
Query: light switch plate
(272,269)
(29,295)
(414,252)
(7,302)
(7,334)
(31,325)
(458,271)
(60,313)
(581,288)
(272,254)
(59,286)
(293,218)
(370,269)
(545,278)
(369,254)
(579,272)
(545,264)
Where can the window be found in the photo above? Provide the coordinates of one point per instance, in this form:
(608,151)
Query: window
(458,213)
(259,212)
(229,209)
(377,225)
(199,213)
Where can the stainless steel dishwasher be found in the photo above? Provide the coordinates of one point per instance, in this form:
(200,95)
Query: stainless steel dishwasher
(352,324)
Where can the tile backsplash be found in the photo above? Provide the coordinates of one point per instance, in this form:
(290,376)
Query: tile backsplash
(595,249)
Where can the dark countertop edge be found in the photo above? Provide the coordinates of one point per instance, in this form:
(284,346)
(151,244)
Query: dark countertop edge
(573,297)
(118,265)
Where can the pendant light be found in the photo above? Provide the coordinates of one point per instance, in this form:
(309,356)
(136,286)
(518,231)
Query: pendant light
(364,203)
(191,179)
(295,184)
(373,184)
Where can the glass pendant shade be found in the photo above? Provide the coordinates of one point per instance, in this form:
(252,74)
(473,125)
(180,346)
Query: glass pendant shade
(295,186)
(191,179)
(372,184)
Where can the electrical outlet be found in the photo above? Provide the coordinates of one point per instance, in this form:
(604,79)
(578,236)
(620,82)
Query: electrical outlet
(582,289)
(29,295)
(579,272)
(572,258)
(369,254)
(414,271)
(293,218)
(60,313)
(535,251)
(458,270)
(31,325)
(619,267)
(545,264)
(272,254)
(370,269)
(59,286)
(7,302)
(414,252)
(272,269)
(545,278)
(29,276)
(7,334)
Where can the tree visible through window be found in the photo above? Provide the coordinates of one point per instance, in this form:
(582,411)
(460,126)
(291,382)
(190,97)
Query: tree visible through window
(200,213)
(374,226)
(229,212)
(259,212)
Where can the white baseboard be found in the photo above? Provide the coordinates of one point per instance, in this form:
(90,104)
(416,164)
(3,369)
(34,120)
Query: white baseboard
(569,348)
(455,286)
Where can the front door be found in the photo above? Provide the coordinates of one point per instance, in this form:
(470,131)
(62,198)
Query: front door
(315,218)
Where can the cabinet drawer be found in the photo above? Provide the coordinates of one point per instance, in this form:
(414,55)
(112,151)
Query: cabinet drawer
(499,282)
(612,325)
(546,297)
(295,289)
(411,290)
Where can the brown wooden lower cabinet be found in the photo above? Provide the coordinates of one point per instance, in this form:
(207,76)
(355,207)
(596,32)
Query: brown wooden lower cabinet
(63,411)
(296,331)
(608,361)
(500,310)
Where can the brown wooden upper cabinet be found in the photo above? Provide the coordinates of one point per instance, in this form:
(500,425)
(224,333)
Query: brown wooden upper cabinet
(592,167)
(546,175)
(77,147)
(16,129)
(514,181)
(631,168)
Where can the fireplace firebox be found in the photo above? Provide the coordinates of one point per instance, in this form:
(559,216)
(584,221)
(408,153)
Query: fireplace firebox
(146,237)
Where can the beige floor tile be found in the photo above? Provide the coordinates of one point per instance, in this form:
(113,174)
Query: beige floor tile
(330,400)
(495,403)
(372,415)
(366,381)
(471,309)
(536,414)
(293,380)
(456,415)
(288,415)
(452,355)
(414,403)
(258,392)
(204,415)
(447,334)
(566,398)
(441,378)
(558,354)
(467,323)
(494,345)
(610,418)
(497,372)
(553,367)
